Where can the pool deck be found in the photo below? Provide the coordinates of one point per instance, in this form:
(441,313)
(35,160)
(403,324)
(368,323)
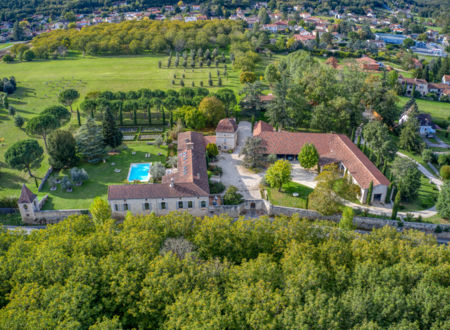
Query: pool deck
(131,167)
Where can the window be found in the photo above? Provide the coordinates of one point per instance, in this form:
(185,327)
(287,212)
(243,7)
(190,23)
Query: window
(180,204)
(190,204)
(25,206)
(116,207)
(203,204)
(163,205)
(146,206)
(125,207)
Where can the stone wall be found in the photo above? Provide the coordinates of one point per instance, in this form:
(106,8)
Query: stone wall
(50,170)
(52,216)
(364,223)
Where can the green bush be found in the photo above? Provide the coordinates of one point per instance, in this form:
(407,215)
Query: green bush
(445,172)
(216,187)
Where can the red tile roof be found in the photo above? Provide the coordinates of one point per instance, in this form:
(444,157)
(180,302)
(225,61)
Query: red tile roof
(262,126)
(331,148)
(190,180)
(227,125)
(209,139)
(266,98)
(26,195)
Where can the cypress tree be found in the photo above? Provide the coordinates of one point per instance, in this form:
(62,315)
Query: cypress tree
(121,116)
(90,141)
(149,115)
(171,120)
(78,117)
(112,136)
(369,193)
(384,167)
(353,135)
(388,194)
(163,117)
(358,143)
(135,116)
(396,206)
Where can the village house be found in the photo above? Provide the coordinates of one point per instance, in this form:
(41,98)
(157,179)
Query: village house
(446,79)
(426,126)
(423,87)
(332,148)
(410,84)
(367,63)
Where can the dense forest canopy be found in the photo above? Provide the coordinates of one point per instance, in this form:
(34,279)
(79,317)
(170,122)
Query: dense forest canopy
(178,271)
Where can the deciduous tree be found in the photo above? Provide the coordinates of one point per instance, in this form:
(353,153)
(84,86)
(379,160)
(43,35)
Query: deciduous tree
(278,174)
(308,156)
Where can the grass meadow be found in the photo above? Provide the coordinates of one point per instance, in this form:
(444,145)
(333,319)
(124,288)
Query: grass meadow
(40,82)
(440,111)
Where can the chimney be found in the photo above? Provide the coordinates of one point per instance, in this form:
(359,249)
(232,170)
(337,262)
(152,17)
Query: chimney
(172,183)
(189,146)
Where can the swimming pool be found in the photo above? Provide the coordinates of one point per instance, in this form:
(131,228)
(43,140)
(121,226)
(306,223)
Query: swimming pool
(139,172)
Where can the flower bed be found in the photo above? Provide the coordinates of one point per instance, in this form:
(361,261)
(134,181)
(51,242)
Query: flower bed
(128,129)
(151,130)
(128,137)
(148,136)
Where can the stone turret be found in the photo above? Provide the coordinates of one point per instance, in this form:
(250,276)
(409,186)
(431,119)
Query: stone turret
(28,204)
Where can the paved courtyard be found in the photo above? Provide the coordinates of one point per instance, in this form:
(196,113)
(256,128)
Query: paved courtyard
(247,182)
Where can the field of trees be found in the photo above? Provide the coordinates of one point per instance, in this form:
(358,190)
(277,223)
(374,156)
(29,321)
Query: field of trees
(183,272)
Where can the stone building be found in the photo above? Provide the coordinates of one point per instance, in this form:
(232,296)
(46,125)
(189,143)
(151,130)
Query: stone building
(226,134)
(332,148)
(187,189)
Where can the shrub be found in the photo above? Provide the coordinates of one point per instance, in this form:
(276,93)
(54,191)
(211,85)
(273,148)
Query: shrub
(232,197)
(216,187)
(19,121)
(445,172)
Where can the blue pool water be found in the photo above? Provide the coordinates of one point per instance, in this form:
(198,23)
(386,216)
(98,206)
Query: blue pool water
(139,172)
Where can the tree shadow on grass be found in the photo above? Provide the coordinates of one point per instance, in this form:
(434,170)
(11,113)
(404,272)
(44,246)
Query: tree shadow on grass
(10,180)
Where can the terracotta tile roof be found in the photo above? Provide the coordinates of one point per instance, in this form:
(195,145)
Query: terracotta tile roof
(266,98)
(156,190)
(227,125)
(331,148)
(262,126)
(209,139)
(190,180)
(366,60)
(26,195)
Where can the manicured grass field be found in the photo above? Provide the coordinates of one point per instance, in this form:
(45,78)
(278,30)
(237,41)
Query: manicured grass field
(40,82)
(440,111)
(4,45)
(100,176)
(285,198)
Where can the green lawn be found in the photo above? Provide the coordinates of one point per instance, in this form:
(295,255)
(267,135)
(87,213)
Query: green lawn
(39,83)
(6,44)
(100,176)
(285,198)
(440,111)
(443,135)
(425,199)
